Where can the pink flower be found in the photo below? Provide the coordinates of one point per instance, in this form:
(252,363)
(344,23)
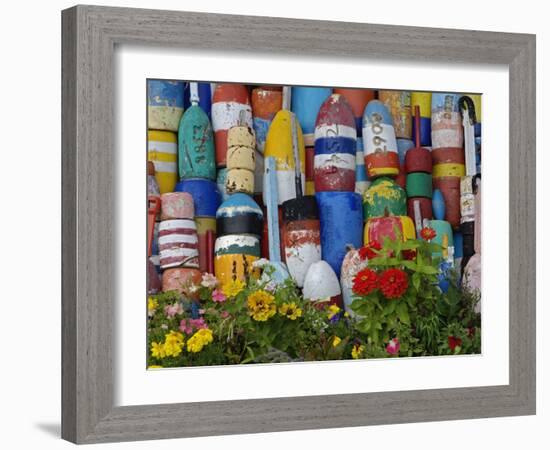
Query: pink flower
(209,281)
(393,346)
(185,327)
(225,314)
(218,296)
(172,310)
(188,326)
(198,324)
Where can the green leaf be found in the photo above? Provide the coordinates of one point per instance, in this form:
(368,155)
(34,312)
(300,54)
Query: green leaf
(403,312)
(416,280)
(429,270)
(411,265)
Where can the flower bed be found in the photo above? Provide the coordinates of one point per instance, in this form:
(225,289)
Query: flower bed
(407,302)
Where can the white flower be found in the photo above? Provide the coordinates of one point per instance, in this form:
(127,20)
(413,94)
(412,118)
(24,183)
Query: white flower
(209,281)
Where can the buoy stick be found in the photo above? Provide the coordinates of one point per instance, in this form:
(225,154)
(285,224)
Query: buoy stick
(194,93)
(271,197)
(153,210)
(417,126)
(296,152)
(210,251)
(286,97)
(468,120)
(417,216)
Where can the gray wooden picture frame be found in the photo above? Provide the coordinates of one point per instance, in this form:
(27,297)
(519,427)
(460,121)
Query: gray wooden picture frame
(90,34)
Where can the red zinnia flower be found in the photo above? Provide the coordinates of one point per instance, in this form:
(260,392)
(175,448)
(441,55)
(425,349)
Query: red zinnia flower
(409,254)
(454,342)
(427,233)
(365,282)
(368,250)
(393,283)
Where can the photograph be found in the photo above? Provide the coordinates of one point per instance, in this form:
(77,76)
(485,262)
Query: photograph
(290,224)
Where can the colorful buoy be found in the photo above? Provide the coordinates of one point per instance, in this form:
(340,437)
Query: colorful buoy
(163,153)
(241,160)
(180,279)
(178,244)
(239,214)
(196,154)
(204,93)
(341,225)
(279,145)
(164,105)
(393,227)
(419,184)
(438,204)
(335,146)
(399,104)
(266,102)
(446,121)
(221,179)
(235,255)
(358,100)
(424,101)
(301,236)
(227,103)
(361,180)
(384,197)
(381,157)
(206,196)
(450,189)
(177,205)
(321,285)
(352,264)
(205,225)
(306,102)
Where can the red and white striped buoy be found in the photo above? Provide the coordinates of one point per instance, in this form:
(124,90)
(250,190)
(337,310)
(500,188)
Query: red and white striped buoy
(178,244)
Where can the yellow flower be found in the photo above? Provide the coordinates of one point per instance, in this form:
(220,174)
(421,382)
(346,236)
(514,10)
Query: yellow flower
(157,350)
(346,314)
(201,338)
(173,343)
(233,288)
(336,341)
(152,304)
(332,311)
(261,305)
(154,367)
(290,311)
(356,351)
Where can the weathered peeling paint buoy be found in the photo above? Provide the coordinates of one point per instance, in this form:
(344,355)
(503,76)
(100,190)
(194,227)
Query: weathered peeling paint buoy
(335,146)
(279,146)
(361,180)
(235,255)
(424,101)
(384,196)
(352,264)
(266,102)
(239,214)
(450,189)
(341,216)
(443,237)
(178,244)
(306,102)
(164,105)
(180,279)
(403,146)
(227,103)
(153,209)
(381,157)
(393,227)
(446,121)
(358,100)
(162,151)
(399,104)
(321,285)
(176,205)
(438,205)
(419,209)
(301,236)
(196,154)
(241,159)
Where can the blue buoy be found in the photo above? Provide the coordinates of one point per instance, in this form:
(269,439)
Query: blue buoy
(341,215)
(306,102)
(438,205)
(205,193)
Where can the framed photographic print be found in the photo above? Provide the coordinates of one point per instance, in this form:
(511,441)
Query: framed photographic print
(274,231)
